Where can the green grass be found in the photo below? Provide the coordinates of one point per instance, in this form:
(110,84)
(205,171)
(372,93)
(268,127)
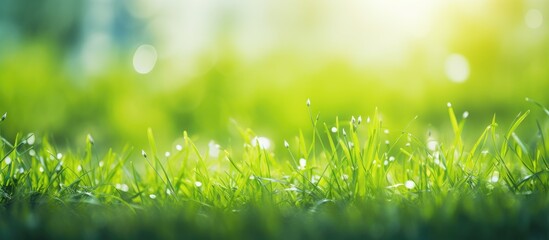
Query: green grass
(351,179)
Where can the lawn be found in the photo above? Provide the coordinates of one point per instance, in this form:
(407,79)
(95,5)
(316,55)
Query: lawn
(354,179)
(220,119)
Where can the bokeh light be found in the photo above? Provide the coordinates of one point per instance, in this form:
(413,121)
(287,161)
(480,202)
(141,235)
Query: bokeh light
(144,59)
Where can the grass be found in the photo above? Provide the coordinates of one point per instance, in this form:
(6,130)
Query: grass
(353,179)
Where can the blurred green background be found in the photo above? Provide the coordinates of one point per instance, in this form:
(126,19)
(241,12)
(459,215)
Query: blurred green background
(113,68)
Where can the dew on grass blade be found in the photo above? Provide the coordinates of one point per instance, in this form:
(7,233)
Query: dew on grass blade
(144,59)
(32,153)
(31,139)
(432,145)
(315,179)
(410,184)
(152,196)
(334,129)
(465,114)
(59,156)
(89,138)
(4,116)
(144,153)
(286,144)
(7,160)
(302,163)
(198,184)
(308,102)
(262,142)
(178,147)
(495,177)
(122,187)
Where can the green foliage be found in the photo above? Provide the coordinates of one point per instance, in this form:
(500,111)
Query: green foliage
(395,183)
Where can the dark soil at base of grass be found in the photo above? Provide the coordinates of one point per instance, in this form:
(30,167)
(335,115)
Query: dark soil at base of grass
(521,217)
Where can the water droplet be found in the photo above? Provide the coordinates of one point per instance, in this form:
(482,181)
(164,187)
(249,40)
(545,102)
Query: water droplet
(410,184)
(90,139)
(302,163)
(286,144)
(31,138)
(198,184)
(432,145)
(152,196)
(334,129)
(262,142)
(495,177)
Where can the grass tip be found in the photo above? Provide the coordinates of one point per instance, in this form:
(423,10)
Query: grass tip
(90,139)
(144,153)
(4,116)
(308,102)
